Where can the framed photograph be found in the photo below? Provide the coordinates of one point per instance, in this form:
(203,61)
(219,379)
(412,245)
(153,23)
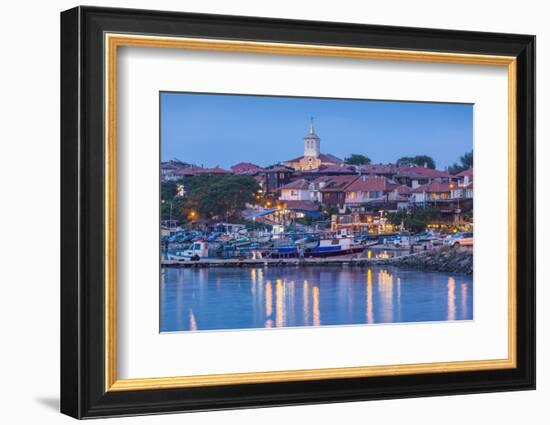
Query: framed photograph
(261,212)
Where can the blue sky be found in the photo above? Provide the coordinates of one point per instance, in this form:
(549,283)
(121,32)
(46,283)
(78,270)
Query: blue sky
(222,130)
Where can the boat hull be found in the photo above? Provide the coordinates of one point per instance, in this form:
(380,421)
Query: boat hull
(314,253)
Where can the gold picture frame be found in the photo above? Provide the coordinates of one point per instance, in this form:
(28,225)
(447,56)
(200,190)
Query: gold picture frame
(114,41)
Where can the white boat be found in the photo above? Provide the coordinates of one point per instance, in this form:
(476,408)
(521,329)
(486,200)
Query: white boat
(195,252)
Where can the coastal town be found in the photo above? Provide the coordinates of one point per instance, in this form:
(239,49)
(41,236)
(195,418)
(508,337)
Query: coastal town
(313,206)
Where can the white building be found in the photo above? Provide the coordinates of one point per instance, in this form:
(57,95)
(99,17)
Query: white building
(298,190)
(431,192)
(464,188)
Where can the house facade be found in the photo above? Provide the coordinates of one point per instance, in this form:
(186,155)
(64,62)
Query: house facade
(169,169)
(367,188)
(298,190)
(431,193)
(333,189)
(415,176)
(465,177)
(276,176)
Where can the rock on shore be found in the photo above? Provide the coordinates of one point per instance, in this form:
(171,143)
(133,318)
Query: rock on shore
(441,260)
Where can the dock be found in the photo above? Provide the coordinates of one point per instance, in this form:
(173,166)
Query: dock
(436,259)
(281,262)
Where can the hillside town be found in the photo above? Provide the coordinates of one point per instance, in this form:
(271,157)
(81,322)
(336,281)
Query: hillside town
(306,197)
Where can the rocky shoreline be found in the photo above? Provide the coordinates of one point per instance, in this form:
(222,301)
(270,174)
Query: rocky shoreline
(441,260)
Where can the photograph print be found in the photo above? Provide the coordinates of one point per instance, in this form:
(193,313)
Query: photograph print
(284,212)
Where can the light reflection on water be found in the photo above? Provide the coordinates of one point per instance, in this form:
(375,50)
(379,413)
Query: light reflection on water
(241,298)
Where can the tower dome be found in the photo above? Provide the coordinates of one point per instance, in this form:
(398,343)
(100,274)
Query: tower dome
(312,142)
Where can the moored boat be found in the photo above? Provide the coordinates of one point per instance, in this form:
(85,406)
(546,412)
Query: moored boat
(196,251)
(329,247)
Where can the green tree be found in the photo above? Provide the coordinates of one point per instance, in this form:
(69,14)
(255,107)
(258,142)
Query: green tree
(357,159)
(173,208)
(420,160)
(415,219)
(208,197)
(467,159)
(221,196)
(466,162)
(168,190)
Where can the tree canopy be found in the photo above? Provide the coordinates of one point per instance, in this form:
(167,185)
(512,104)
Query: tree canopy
(466,162)
(419,160)
(357,159)
(168,189)
(210,197)
(415,219)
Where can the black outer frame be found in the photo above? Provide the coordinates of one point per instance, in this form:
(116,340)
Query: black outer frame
(82,203)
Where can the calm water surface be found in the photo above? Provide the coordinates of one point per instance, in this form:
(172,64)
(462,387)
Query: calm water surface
(238,298)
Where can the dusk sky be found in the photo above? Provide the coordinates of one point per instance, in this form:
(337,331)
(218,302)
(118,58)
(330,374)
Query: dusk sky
(222,130)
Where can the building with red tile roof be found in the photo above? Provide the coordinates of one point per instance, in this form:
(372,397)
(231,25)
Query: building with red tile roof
(194,171)
(300,184)
(431,192)
(169,168)
(216,170)
(367,188)
(414,176)
(333,189)
(298,190)
(468,172)
(465,177)
(403,190)
(245,168)
(330,170)
(189,171)
(387,170)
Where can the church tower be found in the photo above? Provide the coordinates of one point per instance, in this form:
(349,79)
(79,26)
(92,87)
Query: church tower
(312,142)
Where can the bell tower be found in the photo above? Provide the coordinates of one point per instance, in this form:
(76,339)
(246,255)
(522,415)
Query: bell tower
(312,142)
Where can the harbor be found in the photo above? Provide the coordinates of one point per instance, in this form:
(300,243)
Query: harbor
(239,247)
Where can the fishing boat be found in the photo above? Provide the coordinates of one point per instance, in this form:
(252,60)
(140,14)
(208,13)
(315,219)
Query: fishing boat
(195,252)
(367,239)
(308,242)
(327,247)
